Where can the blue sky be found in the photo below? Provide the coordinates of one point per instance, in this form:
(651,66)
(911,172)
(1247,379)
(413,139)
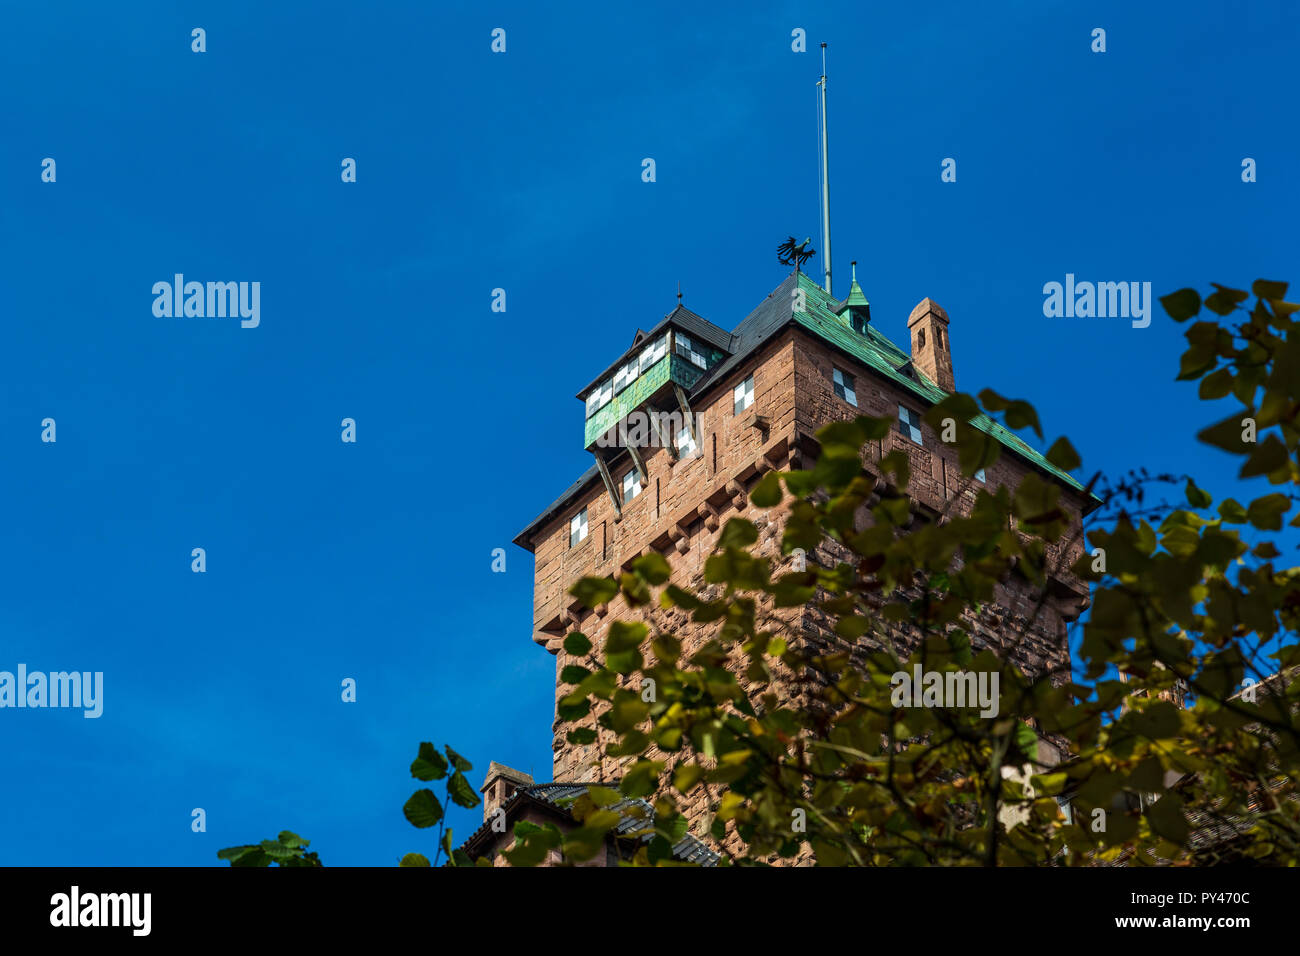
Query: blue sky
(520,171)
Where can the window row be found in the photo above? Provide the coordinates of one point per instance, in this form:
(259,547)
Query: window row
(742,398)
(604,393)
(697,353)
(909,422)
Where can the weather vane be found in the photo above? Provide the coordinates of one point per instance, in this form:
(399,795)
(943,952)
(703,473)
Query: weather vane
(789,254)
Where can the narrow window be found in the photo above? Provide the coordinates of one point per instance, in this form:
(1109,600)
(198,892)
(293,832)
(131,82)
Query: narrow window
(631,485)
(909,423)
(577,527)
(844,386)
(743,394)
(938,337)
(920,339)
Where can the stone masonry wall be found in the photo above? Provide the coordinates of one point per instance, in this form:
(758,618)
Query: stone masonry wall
(685,503)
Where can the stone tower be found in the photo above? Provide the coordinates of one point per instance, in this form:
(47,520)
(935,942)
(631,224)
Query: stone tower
(684,423)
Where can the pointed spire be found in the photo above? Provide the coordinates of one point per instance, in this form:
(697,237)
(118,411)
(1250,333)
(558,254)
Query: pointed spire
(856,299)
(855,310)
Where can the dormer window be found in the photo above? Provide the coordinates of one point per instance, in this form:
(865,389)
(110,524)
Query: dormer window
(859,319)
(695,352)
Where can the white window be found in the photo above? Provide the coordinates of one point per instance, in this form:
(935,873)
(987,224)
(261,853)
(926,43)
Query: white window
(979,476)
(652,354)
(625,376)
(909,423)
(698,353)
(844,386)
(743,394)
(685,444)
(577,527)
(599,397)
(631,485)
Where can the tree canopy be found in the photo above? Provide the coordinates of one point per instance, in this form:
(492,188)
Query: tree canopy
(790,744)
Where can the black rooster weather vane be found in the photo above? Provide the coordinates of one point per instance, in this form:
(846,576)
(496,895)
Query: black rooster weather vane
(789,254)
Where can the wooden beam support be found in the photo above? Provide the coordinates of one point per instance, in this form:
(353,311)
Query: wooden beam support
(665,441)
(609,485)
(690,419)
(636,456)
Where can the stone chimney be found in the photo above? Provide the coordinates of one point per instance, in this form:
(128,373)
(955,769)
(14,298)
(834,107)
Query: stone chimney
(931,351)
(500,785)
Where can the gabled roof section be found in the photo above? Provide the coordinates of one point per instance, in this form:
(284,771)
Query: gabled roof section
(680,317)
(821,317)
(884,357)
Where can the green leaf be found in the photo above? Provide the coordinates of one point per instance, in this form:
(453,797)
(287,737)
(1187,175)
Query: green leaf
(1063,455)
(1269,456)
(414,859)
(1018,413)
(573,674)
(1266,513)
(1232,512)
(738,533)
(461,791)
(423,809)
(625,635)
(1166,818)
(1225,300)
(428,765)
(582,736)
(652,567)
(1181,305)
(594,592)
(577,644)
(1216,385)
(767,493)
(457,761)
(1266,289)
(1196,497)
(1226,434)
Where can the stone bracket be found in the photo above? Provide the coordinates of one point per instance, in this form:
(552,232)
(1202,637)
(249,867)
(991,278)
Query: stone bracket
(609,485)
(686,412)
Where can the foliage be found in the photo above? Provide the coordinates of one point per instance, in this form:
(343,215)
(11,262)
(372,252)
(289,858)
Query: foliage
(423,810)
(791,735)
(781,721)
(288,849)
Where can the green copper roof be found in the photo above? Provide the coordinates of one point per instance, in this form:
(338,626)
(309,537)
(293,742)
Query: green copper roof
(856,299)
(884,357)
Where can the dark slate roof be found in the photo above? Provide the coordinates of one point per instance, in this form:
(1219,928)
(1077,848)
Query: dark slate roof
(635,814)
(684,319)
(821,319)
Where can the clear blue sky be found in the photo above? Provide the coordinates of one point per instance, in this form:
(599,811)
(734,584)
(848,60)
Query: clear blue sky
(521,171)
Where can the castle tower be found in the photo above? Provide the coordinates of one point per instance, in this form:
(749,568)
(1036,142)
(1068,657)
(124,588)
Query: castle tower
(685,422)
